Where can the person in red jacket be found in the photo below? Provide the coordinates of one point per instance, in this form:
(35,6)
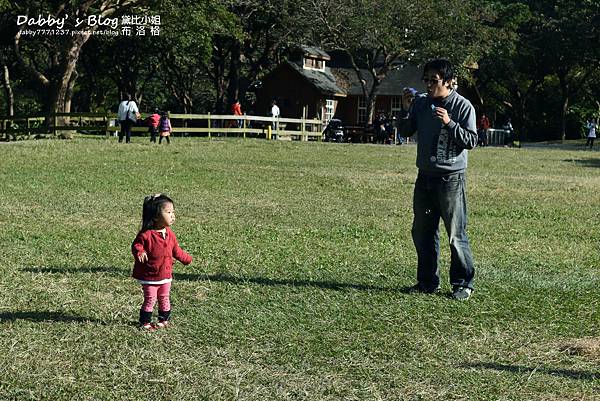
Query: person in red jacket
(236,109)
(152,121)
(154,248)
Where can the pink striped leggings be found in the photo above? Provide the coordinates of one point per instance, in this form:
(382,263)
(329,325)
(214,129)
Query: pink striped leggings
(154,292)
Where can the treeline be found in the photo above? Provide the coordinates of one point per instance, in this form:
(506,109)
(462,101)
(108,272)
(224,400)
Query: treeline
(534,61)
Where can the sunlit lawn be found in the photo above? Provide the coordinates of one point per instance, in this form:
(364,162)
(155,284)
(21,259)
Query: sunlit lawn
(301,254)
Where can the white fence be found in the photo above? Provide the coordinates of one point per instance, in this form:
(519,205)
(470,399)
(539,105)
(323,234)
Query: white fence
(497,136)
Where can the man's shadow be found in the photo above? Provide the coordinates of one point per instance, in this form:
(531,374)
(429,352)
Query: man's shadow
(275,282)
(71,270)
(568,373)
(43,316)
(585,162)
(219,277)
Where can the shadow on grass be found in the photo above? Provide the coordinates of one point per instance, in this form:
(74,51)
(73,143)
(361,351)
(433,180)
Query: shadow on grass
(585,162)
(70,270)
(328,285)
(42,316)
(571,374)
(221,277)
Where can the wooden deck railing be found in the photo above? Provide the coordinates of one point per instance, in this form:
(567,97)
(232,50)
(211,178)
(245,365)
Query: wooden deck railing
(210,125)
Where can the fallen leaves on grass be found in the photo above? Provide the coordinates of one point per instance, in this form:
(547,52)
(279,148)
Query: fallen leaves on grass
(587,347)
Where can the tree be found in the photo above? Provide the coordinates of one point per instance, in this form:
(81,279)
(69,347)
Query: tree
(188,46)
(554,47)
(6,57)
(51,61)
(381,35)
(265,31)
(570,33)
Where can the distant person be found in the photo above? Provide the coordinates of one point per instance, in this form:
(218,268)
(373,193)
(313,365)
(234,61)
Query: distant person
(509,139)
(128,115)
(592,127)
(154,249)
(165,128)
(334,132)
(152,121)
(397,137)
(274,109)
(483,125)
(445,123)
(236,110)
(275,112)
(380,126)
(412,93)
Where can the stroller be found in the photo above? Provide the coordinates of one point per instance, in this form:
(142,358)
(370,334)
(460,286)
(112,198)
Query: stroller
(334,131)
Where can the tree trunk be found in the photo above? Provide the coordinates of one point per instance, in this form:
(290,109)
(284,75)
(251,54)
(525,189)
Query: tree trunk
(70,91)
(372,96)
(8,92)
(564,91)
(521,118)
(188,103)
(565,109)
(66,80)
(218,76)
(233,88)
(521,122)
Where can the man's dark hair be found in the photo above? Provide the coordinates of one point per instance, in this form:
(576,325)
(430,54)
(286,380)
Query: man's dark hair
(442,67)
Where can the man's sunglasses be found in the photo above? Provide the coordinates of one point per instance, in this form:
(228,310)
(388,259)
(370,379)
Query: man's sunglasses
(431,81)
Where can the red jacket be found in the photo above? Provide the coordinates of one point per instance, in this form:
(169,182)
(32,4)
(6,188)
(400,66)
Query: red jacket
(236,109)
(160,251)
(152,120)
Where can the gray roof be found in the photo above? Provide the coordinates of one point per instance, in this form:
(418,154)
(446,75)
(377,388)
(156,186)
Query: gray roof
(315,52)
(392,84)
(324,81)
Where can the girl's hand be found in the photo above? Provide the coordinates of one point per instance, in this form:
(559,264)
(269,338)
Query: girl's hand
(143,257)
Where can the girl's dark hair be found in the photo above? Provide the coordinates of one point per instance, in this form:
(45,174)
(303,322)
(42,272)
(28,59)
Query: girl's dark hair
(153,205)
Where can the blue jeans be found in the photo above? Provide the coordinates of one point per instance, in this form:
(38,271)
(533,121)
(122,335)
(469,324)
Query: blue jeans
(434,198)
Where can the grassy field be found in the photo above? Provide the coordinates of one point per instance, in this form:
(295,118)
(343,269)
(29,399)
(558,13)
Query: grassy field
(302,251)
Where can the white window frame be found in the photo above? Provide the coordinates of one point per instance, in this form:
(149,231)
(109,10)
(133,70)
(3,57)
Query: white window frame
(328,110)
(362,110)
(306,66)
(395,105)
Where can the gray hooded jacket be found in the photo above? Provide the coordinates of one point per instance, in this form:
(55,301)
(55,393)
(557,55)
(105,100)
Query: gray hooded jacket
(441,149)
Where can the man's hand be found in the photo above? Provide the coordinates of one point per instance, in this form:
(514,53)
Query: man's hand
(442,114)
(143,257)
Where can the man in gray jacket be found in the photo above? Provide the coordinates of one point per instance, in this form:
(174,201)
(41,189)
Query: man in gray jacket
(445,124)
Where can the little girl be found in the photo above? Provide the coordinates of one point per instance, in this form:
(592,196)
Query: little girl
(165,128)
(154,248)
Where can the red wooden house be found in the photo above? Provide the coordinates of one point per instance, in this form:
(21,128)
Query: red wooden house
(306,84)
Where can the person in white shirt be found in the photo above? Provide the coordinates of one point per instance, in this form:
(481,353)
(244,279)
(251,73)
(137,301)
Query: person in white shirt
(275,115)
(128,114)
(274,109)
(592,126)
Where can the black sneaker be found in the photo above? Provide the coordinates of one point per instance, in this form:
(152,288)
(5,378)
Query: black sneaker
(421,289)
(461,293)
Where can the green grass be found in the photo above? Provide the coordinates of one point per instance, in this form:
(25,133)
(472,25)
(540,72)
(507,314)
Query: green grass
(301,254)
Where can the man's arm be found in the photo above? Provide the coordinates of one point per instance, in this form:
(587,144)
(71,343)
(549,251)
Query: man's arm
(465,134)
